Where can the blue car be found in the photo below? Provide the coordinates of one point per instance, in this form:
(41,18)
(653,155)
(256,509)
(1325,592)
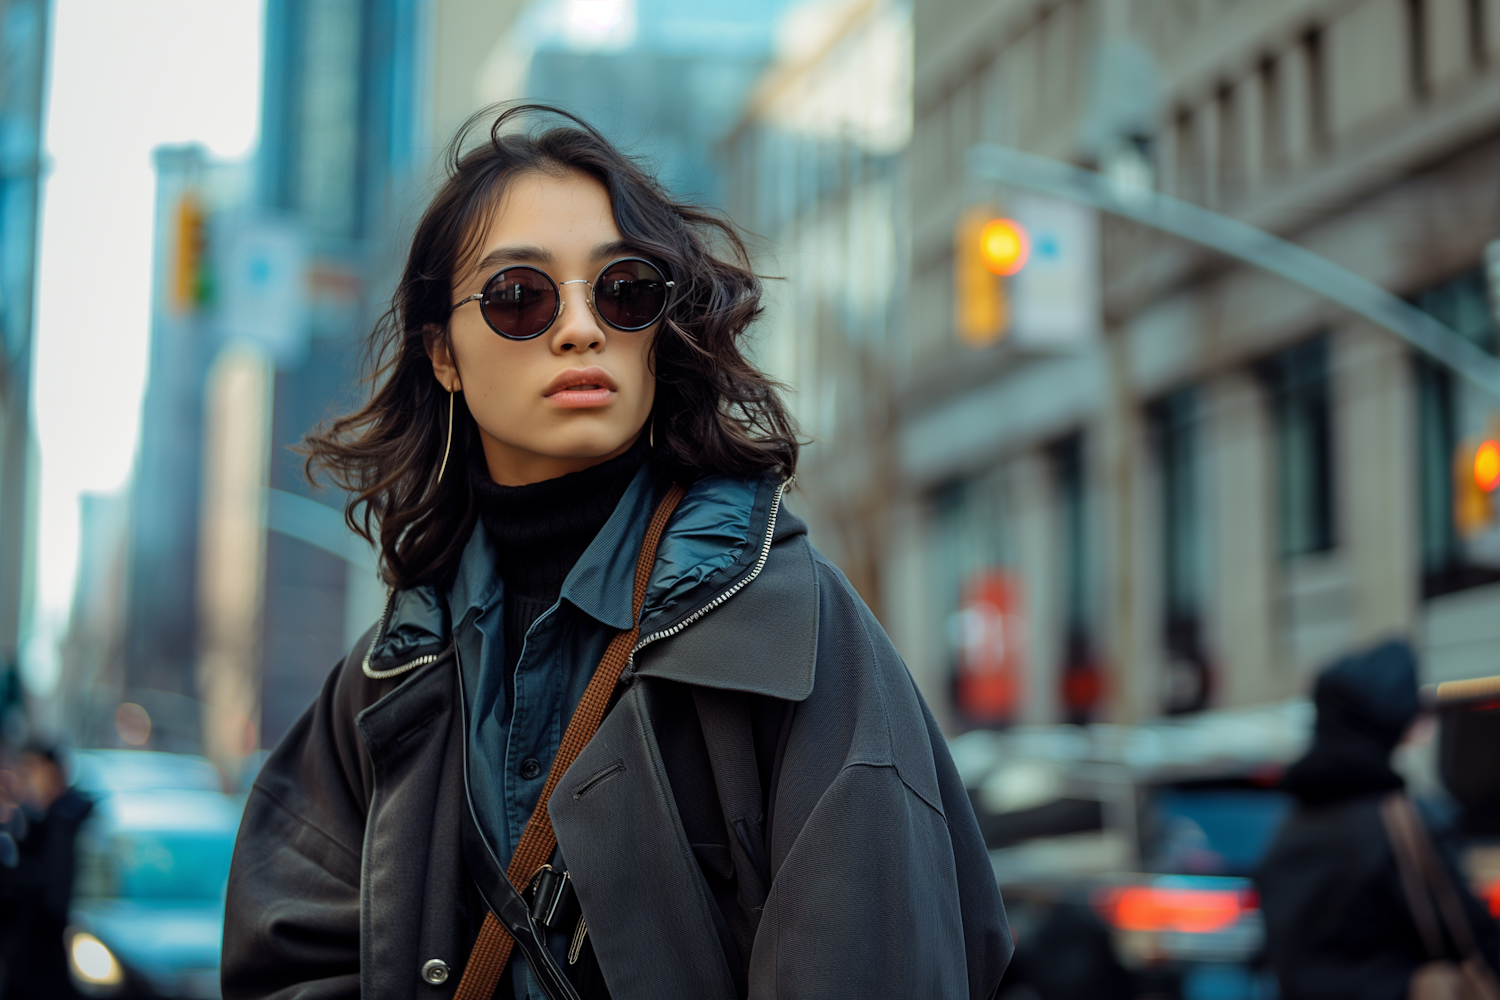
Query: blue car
(153,859)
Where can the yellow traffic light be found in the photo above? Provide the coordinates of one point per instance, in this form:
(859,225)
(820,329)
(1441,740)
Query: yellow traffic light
(1005,246)
(1476,474)
(189,276)
(981,309)
(1487,465)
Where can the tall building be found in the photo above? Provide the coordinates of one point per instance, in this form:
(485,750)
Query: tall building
(1224,479)
(23,63)
(242,584)
(161,624)
(342,150)
(92,658)
(664,79)
(815,170)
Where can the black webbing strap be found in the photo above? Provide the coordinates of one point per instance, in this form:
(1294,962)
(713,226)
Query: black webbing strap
(725,718)
(513,912)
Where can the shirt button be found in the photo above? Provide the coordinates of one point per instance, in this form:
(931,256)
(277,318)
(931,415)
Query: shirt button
(435,971)
(530,768)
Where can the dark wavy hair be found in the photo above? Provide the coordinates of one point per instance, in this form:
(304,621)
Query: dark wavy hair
(715,412)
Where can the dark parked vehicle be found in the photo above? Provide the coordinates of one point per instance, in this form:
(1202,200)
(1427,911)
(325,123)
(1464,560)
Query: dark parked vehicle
(1124,853)
(148,912)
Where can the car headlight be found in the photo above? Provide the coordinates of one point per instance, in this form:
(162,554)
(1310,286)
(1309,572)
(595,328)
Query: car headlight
(93,964)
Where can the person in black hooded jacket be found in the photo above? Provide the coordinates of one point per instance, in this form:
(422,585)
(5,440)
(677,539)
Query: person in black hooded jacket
(1337,922)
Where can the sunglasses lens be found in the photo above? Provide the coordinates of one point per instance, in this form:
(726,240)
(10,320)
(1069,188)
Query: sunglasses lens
(520,302)
(631,294)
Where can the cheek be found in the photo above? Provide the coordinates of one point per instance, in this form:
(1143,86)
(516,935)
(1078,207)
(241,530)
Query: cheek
(644,369)
(491,367)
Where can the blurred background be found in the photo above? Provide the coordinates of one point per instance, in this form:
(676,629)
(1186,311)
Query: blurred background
(1146,349)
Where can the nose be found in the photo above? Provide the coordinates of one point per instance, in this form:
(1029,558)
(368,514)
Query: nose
(577,329)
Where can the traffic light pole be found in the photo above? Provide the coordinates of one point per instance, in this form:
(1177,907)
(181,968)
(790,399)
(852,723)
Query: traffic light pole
(1242,242)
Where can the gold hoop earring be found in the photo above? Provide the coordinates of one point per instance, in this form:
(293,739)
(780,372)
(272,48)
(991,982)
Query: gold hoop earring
(449,445)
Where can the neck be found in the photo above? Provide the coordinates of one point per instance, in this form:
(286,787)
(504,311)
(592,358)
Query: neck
(540,529)
(510,465)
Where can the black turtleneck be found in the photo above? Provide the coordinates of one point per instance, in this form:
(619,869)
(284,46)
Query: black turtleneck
(539,532)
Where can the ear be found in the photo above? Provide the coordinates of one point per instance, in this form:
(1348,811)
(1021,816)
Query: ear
(444,368)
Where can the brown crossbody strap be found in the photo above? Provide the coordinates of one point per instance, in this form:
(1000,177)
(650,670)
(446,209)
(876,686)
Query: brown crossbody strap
(1399,819)
(1421,865)
(493,947)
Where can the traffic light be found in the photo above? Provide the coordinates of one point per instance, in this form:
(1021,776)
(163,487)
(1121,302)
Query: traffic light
(1476,475)
(1005,246)
(190,276)
(986,250)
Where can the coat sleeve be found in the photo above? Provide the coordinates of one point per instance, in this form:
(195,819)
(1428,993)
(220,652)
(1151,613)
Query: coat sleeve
(291,927)
(881,884)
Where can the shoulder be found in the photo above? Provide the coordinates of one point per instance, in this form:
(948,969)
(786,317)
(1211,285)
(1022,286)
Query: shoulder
(324,748)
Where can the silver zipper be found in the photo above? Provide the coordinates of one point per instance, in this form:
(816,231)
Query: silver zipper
(765,551)
(381,675)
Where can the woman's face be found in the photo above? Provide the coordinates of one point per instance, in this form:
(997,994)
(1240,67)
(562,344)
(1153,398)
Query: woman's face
(580,393)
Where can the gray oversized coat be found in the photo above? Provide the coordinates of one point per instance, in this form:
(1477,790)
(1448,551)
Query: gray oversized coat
(348,873)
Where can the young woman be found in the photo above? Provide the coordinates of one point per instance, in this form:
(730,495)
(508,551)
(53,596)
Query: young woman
(621,731)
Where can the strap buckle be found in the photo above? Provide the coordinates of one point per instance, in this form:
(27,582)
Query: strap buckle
(554,903)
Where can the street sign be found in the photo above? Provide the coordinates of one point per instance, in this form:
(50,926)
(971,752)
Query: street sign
(264,286)
(1055,297)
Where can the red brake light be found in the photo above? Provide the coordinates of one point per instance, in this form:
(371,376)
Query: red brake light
(1192,911)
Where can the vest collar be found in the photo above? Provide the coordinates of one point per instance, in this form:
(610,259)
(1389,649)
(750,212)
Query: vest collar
(724,539)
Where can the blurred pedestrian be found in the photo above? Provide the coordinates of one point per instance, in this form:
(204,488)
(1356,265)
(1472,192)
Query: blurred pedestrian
(37,964)
(1349,913)
(577,477)
(12,832)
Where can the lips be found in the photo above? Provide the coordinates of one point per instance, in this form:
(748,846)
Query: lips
(582,389)
(581,380)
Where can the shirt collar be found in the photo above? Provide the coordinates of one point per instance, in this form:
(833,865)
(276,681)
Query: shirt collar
(602,582)
(478,585)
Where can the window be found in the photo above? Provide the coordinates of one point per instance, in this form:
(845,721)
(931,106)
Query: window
(1230,169)
(1416,41)
(1298,385)
(1189,158)
(1447,564)
(1082,684)
(1316,69)
(1173,423)
(1478,57)
(1272,143)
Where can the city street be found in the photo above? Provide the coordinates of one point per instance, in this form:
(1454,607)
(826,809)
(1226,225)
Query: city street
(1084,414)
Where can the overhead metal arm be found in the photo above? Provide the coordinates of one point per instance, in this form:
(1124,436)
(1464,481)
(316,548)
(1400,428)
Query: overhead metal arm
(1261,249)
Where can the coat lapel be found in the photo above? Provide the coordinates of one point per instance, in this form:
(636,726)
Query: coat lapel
(649,911)
(413,736)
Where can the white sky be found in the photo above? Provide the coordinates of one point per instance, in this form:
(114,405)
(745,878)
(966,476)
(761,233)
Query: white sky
(125,77)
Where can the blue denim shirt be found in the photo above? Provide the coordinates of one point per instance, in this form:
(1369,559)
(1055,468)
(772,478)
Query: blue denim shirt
(561,650)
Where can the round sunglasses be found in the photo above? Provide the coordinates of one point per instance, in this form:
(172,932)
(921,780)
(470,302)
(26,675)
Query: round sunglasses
(521,302)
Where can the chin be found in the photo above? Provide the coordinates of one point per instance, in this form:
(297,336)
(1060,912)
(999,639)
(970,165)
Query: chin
(595,443)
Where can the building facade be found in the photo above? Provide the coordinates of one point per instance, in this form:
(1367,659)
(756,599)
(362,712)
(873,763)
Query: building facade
(1232,480)
(240,585)
(342,151)
(159,650)
(23,70)
(815,170)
